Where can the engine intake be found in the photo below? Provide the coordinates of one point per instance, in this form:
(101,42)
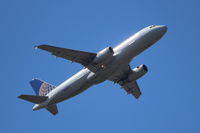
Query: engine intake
(104,56)
(138,72)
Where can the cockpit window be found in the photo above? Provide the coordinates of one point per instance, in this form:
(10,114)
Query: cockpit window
(151,26)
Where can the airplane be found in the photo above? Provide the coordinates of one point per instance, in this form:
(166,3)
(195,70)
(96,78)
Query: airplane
(108,64)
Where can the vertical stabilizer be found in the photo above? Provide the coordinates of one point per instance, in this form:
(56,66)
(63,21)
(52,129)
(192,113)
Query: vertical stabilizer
(40,87)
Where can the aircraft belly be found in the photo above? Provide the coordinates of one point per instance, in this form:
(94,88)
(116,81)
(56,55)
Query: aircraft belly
(71,92)
(74,88)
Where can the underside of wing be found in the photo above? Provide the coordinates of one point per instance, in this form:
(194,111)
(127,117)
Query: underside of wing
(81,57)
(131,87)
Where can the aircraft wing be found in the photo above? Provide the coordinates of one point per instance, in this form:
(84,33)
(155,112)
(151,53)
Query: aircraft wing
(81,57)
(131,87)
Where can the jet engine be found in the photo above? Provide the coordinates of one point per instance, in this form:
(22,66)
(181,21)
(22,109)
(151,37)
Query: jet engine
(104,56)
(138,72)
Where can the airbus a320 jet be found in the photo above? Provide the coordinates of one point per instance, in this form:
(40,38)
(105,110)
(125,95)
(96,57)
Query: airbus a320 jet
(108,64)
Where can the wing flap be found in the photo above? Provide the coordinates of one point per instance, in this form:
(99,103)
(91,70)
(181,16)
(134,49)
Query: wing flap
(81,57)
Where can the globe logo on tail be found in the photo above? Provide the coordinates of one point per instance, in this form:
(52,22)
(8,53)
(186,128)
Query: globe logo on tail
(45,89)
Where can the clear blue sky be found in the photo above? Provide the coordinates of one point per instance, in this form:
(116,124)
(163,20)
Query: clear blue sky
(171,88)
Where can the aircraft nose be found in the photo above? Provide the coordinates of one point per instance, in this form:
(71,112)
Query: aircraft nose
(156,33)
(159,31)
(162,29)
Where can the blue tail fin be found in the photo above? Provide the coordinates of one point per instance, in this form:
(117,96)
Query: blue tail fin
(40,87)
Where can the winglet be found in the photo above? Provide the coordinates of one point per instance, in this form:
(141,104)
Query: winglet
(43,46)
(35,47)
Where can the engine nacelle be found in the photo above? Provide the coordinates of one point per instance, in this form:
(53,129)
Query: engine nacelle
(104,56)
(138,72)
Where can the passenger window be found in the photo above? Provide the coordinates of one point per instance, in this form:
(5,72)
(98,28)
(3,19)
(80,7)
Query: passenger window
(151,26)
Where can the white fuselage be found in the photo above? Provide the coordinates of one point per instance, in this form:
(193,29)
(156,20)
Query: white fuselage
(123,54)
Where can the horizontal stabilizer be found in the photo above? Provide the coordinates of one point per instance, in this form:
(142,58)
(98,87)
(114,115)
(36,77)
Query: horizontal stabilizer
(52,109)
(33,99)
